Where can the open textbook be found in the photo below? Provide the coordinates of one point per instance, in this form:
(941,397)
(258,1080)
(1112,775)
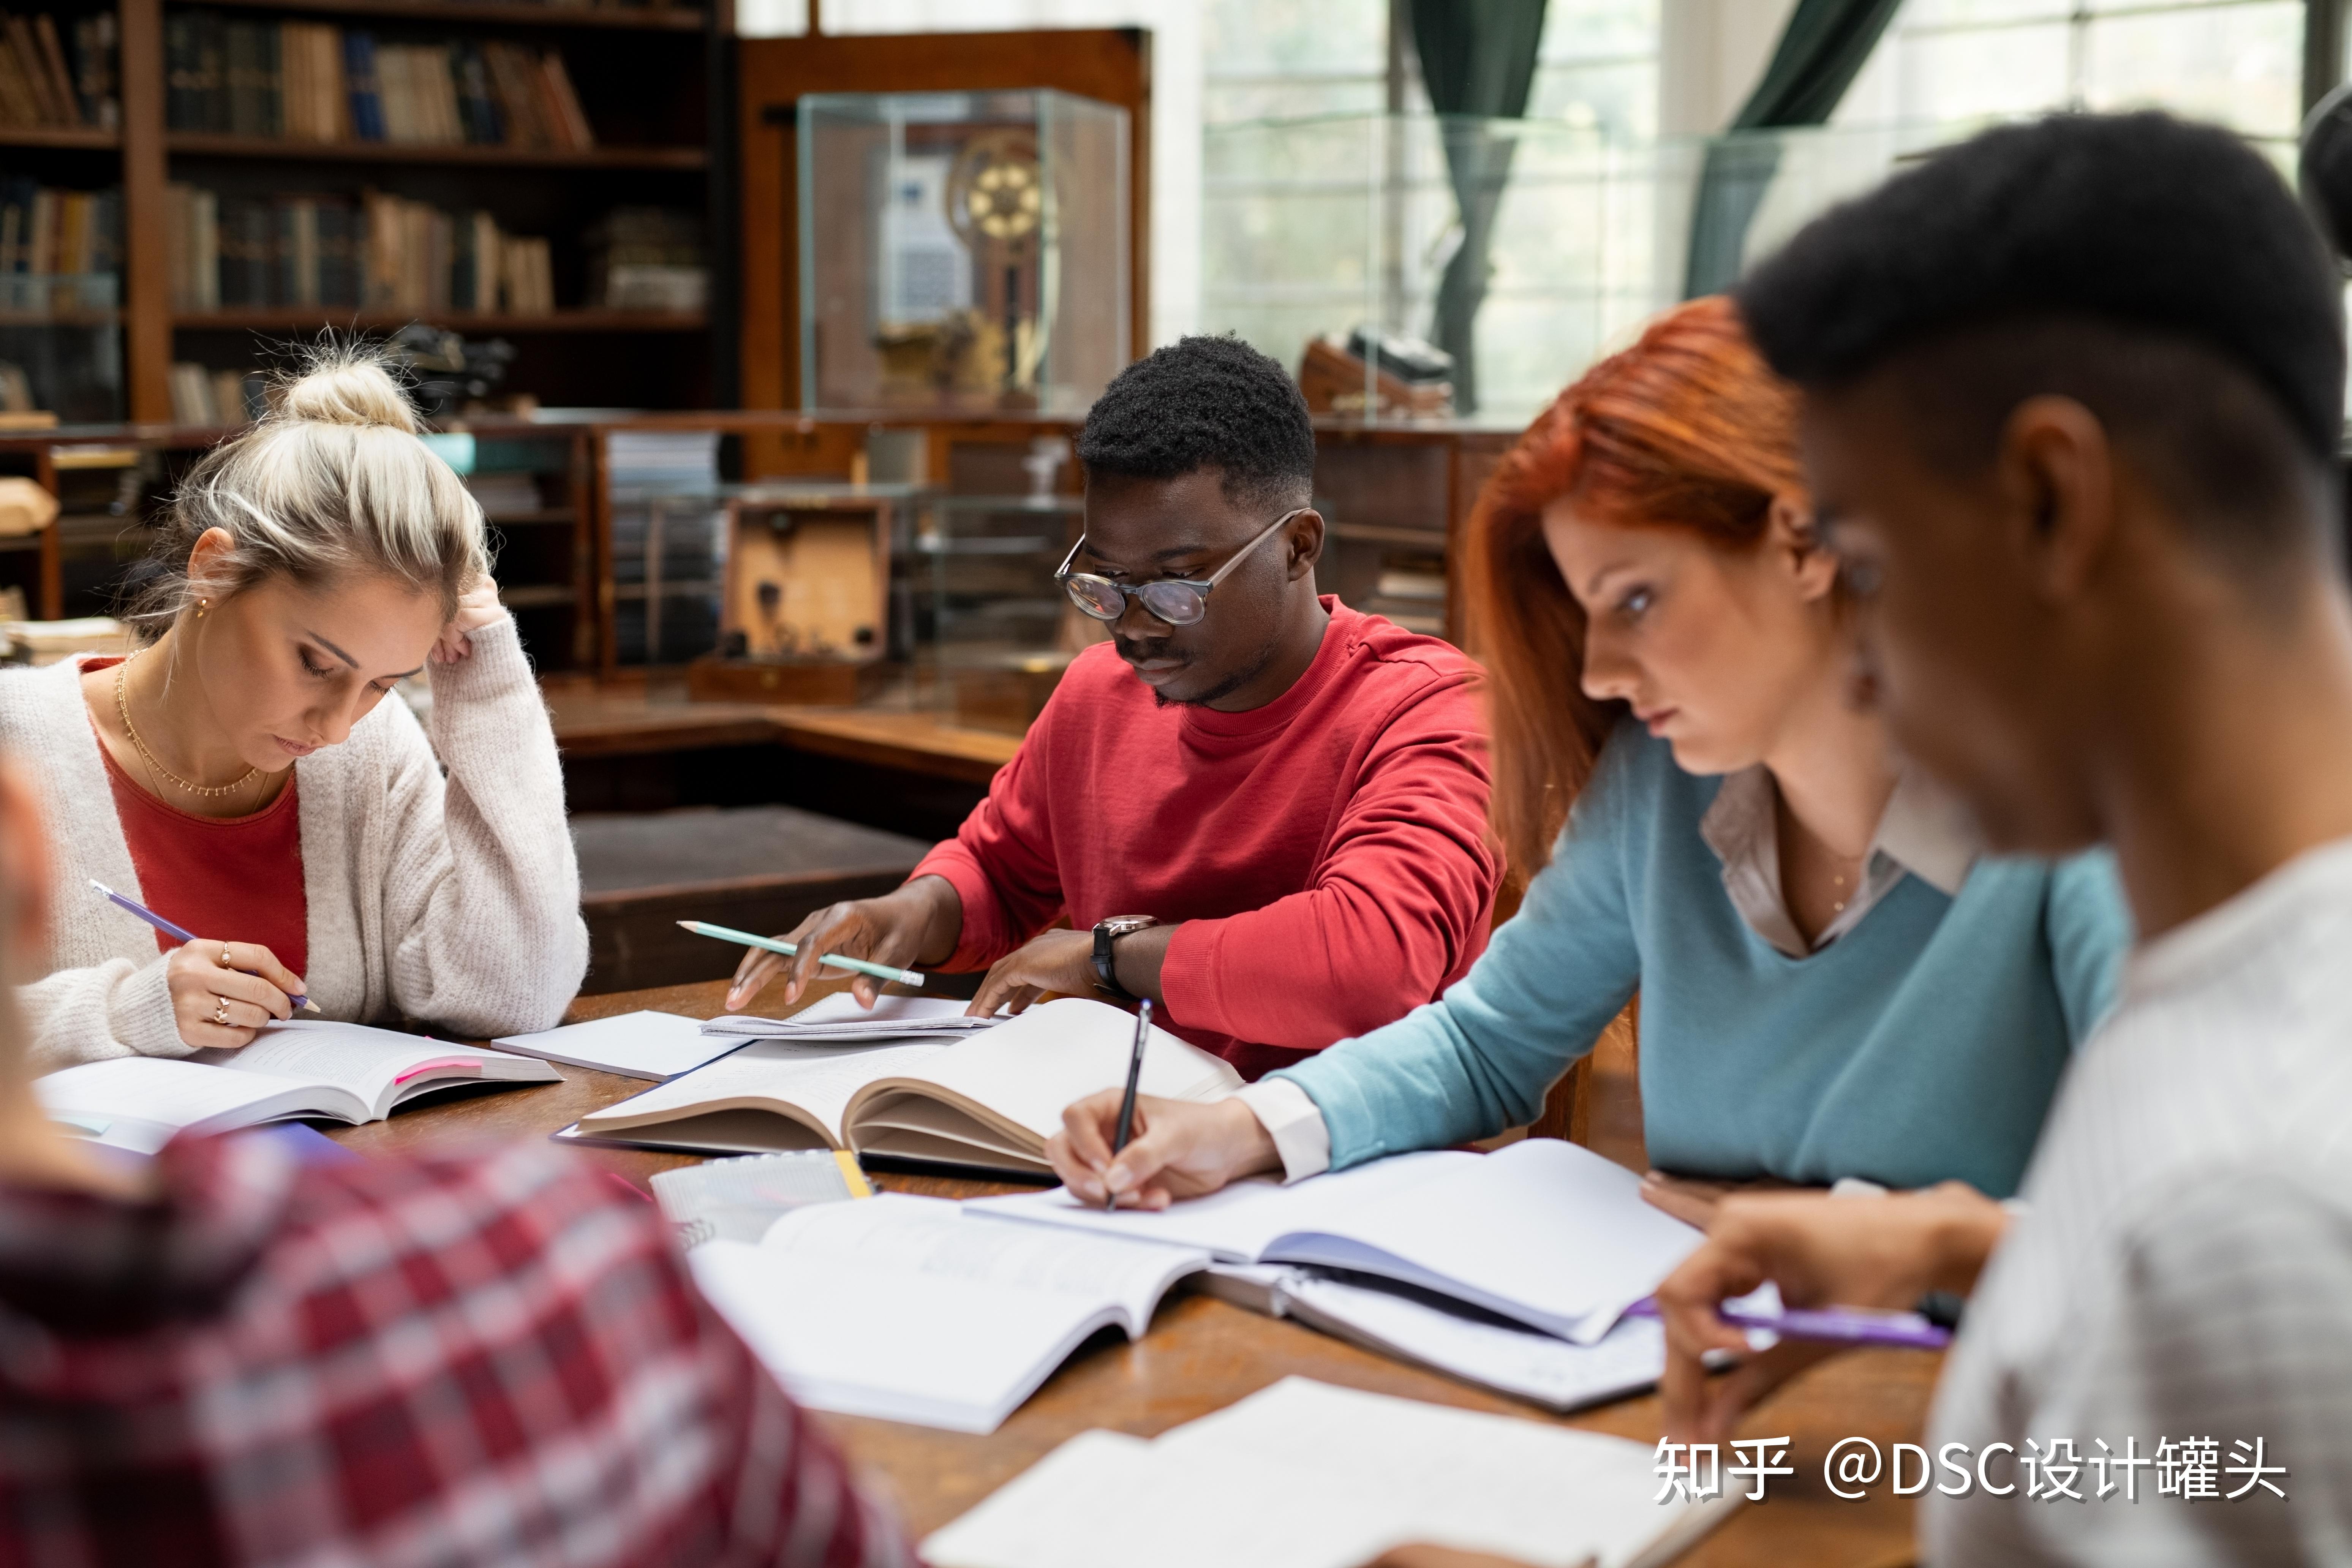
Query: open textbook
(1305,1474)
(899,1307)
(1541,1231)
(988,1101)
(341,1072)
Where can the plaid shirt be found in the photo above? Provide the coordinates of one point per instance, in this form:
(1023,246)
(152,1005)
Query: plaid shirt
(496,1360)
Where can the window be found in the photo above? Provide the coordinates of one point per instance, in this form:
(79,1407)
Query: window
(2236,62)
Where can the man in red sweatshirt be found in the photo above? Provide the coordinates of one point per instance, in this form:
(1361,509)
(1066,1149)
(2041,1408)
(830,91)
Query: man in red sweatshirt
(1260,808)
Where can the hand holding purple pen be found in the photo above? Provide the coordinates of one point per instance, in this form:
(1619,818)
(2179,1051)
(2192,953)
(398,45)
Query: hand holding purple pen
(181,934)
(1929,1327)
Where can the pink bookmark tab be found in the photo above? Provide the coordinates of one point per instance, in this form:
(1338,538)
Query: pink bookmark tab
(442,1064)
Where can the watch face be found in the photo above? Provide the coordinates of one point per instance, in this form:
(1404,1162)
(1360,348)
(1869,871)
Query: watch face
(1120,925)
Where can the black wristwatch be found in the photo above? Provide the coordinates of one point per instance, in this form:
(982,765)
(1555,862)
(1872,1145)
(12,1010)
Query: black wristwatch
(1107,932)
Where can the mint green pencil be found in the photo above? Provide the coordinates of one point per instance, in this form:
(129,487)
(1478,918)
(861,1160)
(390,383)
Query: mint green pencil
(727,933)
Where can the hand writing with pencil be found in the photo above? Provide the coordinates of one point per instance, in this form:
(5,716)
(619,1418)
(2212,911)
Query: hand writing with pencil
(223,992)
(1180,1149)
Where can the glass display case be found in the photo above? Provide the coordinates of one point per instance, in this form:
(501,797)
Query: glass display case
(962,252)
(993,633)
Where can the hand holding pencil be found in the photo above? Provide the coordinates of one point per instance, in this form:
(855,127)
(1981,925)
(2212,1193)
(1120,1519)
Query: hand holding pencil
(222,993)
(912,925)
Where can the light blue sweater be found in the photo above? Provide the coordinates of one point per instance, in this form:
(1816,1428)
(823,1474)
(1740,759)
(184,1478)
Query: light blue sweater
(1924,1044)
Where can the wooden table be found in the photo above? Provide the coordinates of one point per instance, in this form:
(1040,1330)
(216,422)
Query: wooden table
(1202,1355)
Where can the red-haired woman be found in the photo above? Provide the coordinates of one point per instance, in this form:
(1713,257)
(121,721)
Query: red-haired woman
(1833,984)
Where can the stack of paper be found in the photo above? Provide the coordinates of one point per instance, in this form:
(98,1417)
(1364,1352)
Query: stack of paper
(839,1018)
(1304,1474)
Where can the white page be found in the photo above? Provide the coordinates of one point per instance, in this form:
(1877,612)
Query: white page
(817,1078)
(840,1015)
(1543,1231)
(657,1046)
(898,1307)
(1238,1223)
(364,1061)
(139,1102)
(1028,1069)
(1304,1474)
(1534,1366)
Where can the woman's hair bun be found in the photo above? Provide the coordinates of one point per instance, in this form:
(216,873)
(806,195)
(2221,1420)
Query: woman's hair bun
(348,385)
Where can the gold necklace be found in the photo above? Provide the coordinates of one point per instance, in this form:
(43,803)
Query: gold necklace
(123,709)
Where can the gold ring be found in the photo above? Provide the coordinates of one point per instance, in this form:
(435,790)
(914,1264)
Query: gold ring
(224,957)
(220,1011)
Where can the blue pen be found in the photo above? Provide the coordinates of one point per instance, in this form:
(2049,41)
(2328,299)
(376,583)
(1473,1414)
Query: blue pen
(301,1004)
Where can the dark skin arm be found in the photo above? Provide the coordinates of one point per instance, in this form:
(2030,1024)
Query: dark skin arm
(907,927)
(1062,962)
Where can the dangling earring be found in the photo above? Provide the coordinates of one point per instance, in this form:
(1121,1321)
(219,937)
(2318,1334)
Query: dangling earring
(201,605)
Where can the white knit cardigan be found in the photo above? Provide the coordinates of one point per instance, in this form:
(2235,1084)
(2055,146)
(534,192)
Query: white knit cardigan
(451,900)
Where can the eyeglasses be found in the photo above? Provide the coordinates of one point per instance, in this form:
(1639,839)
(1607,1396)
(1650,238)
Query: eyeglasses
(1177,600)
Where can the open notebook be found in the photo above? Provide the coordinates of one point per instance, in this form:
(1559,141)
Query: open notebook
(1445,1336)
(1305,1474)
(342,1072)
(900,1307)
(1542,1232)
(988,1101)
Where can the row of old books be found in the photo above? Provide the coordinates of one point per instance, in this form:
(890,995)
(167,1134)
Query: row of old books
(41,86)
(213,398)
(48,231)
(312,81)
(378,253)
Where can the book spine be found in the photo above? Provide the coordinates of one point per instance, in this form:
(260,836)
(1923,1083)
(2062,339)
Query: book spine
(478,108)
(19,105)
(94,53)
(364,86)
(205,225)
(211,70)
(269,82)
(565,104)
(183,109)
(61,87)
(29,71)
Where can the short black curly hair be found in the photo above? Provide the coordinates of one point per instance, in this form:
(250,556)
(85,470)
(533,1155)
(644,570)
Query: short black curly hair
(2158,272)
(1206,403)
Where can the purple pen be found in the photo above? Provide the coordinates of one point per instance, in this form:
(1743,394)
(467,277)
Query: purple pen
(1836,1325)
(177,934)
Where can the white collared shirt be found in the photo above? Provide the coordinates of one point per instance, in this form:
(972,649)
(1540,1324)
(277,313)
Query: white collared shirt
(1924,832)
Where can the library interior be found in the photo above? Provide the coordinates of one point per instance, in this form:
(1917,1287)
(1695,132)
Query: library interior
(874,603)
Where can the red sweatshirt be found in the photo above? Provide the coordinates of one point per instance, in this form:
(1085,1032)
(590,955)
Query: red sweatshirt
(1327,853)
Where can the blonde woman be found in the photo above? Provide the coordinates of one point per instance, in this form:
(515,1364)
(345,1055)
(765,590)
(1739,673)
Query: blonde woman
(242,774)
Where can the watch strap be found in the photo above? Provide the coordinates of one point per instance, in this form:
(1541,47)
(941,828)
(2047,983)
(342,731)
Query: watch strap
(1106,963)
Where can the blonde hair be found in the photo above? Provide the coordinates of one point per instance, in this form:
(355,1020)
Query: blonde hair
(331,483)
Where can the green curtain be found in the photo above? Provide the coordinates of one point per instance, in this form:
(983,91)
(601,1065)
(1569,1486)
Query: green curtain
(1820,52)
(1477,60)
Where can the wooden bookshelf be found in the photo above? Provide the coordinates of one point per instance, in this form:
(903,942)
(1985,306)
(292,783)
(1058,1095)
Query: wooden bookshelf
(58,136)
(201,145)
(495,14)
(294,319)
(653,80)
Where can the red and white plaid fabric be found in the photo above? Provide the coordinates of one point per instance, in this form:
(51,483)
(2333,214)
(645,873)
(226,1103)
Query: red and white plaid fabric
(394,1363)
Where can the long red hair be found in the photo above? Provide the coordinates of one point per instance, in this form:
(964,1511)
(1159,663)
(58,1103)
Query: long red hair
(1687,428)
